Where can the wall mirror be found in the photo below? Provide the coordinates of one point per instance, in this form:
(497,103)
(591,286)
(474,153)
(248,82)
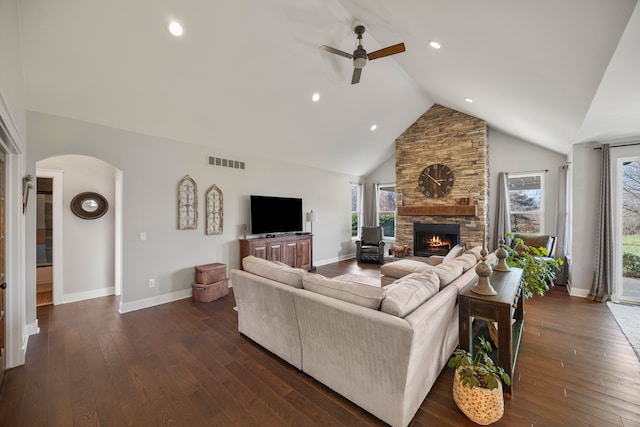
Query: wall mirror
(89,205)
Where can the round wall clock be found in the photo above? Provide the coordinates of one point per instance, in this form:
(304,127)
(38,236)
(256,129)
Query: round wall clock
(436,181)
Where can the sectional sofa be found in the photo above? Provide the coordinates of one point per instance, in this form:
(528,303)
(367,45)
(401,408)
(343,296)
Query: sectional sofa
(380,347)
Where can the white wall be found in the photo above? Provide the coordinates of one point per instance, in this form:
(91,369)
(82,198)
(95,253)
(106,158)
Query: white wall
(152,168)
(585,177)
(13,118)
(510,154)
(88,245)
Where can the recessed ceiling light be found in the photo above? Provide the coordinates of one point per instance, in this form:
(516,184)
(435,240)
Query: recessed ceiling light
(175,28)
(315,97)
(435,44)
(469,100)
(374,127)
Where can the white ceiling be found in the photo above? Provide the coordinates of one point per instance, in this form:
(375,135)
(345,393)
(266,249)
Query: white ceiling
(552,72)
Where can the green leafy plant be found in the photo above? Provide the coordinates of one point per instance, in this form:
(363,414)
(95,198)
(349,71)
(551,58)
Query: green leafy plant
(538,272)
(478,370)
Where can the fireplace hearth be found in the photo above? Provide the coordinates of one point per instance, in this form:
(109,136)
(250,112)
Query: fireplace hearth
(434,239)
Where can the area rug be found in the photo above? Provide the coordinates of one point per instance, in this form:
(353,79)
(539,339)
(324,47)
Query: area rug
(350,277)
(628,318)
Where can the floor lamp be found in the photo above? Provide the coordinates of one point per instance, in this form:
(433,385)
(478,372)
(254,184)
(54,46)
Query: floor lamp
(312,217)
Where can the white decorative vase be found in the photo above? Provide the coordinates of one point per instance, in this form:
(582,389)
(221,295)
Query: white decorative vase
(480,405)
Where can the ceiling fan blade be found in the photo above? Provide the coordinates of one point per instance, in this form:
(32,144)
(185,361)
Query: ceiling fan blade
(356,75)
(390,50)
(335,51)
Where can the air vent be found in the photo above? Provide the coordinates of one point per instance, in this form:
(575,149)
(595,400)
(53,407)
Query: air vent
(225,163)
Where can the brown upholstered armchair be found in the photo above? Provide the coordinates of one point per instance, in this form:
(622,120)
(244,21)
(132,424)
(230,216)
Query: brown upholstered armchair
(370,247)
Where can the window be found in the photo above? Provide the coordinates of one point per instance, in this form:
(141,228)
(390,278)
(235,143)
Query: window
(387,209)
(356,209)
(526,201)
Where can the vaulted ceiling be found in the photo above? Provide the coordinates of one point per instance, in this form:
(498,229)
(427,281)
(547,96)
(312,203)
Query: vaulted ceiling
(241,77)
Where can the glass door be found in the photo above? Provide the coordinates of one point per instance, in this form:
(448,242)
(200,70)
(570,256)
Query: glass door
(629,206)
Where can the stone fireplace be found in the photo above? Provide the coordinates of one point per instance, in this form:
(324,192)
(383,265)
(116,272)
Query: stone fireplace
(458,141)
(434,239)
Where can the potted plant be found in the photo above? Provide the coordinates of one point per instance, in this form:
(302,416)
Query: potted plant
(538,271)
(477,384)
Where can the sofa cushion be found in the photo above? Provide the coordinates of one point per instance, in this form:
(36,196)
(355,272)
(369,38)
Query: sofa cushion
(403,267)
(408,293)
(448,272)
(476,252)
(466,261)
(455,252)
(355,293)
(271,270)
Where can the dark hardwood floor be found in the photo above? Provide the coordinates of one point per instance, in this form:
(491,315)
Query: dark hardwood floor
(185,364)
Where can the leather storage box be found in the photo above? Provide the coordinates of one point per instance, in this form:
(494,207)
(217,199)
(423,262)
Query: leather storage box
(209,292)
(210,273)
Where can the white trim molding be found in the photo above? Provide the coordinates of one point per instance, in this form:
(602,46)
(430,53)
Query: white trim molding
(126,307)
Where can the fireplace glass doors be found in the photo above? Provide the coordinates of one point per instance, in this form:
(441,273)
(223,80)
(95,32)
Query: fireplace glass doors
(434,239)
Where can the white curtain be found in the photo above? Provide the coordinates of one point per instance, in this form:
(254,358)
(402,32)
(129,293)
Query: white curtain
(503,213)
(603,277)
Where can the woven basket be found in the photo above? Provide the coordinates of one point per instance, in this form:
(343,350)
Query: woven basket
(480,405)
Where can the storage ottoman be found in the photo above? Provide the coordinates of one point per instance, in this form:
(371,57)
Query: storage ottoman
(209,292)
(211,273)
(211,282)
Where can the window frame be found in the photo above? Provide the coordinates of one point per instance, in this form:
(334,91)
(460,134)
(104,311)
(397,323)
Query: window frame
(358,211)
(540,211)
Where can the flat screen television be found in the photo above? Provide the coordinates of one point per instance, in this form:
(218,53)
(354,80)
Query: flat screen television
(275,214)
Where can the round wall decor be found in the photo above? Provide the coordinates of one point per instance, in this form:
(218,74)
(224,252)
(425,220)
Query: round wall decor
(89,205)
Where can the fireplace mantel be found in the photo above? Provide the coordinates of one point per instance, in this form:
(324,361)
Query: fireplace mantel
(438,210)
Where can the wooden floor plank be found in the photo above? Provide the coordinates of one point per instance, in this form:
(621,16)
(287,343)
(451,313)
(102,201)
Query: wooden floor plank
(184,363)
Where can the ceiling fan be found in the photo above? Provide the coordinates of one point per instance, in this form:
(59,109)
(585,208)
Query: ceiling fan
(360,55)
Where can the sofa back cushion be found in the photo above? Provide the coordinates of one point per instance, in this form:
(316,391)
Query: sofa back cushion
(409,292)
(466,261)
(275,271)
(355,293)
(448,272)
(476,252)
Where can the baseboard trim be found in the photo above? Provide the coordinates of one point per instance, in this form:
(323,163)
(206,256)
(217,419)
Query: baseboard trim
(81,296)
(126,307)
(337,259)
(32,328)
(582,293)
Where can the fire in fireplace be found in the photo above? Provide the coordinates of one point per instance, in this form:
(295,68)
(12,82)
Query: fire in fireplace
(434,239)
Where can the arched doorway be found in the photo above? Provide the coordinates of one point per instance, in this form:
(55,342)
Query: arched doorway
(84,254)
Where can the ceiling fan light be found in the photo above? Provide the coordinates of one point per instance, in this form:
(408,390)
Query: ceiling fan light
(359,62)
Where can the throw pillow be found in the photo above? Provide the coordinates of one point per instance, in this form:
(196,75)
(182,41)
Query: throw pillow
(448,273)
(455,252)
(270,270)
(410,292)
(355,293)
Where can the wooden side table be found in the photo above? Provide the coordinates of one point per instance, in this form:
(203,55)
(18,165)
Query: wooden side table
(501,308)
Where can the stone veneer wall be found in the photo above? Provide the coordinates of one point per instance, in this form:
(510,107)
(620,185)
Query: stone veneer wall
(454,139)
